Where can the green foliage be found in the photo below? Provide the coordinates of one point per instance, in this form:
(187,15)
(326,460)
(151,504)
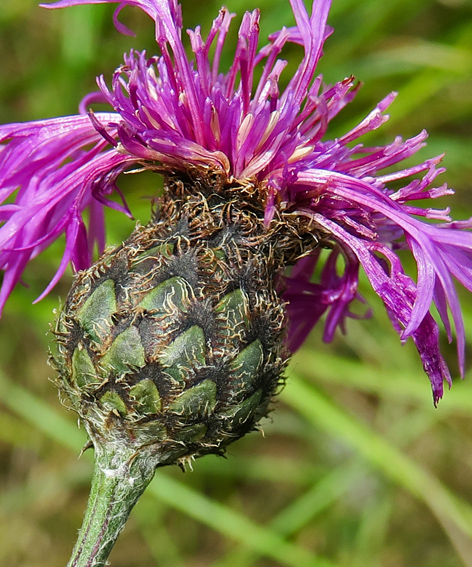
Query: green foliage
(356,468)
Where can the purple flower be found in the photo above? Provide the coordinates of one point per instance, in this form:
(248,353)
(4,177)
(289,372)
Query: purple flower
(180,113)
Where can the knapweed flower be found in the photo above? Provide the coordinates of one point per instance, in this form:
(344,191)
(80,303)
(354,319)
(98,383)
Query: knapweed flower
(172,345)
(177,113)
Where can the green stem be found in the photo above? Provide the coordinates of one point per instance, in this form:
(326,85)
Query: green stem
(118,482)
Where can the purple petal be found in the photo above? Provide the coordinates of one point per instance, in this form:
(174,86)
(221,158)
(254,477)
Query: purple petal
(56,169)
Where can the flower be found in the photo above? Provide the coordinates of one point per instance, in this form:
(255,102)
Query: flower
(180,113)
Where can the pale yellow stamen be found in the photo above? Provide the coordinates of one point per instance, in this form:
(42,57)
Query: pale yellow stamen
(273,120)
(244,130)
(300,153)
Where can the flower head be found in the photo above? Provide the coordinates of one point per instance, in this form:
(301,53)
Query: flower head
(175,112)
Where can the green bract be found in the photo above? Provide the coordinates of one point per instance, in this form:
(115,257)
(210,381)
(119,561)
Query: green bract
(173,343)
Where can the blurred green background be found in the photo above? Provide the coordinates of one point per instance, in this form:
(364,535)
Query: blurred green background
(356,468)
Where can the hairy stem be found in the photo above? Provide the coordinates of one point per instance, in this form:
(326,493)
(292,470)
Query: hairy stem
(118,482)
